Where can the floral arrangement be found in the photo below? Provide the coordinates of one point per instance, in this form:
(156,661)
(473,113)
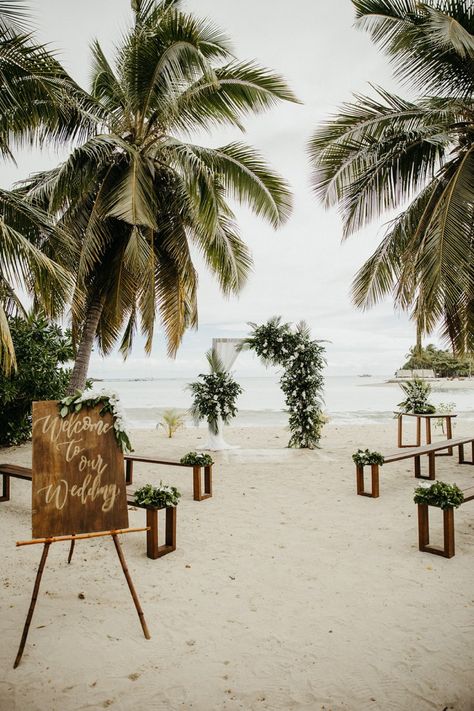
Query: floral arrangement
(440,494)
(302,381)
(159,496)
(365,456)
(197,459)
(215,395)
(110,403)
(416,402)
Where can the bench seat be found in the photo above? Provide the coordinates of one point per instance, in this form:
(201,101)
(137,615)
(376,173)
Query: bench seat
(414,453)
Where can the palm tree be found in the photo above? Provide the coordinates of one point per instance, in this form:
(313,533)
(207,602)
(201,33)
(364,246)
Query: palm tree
(137,196)
(38,102)
(381,152)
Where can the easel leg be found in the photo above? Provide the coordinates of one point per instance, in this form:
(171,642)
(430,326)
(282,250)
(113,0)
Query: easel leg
(141,616)
(71,550)
(34,597)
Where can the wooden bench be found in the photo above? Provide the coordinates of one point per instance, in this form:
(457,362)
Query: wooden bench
(153,549)
(448,528)
(447,417)
(414,453)
(198,493)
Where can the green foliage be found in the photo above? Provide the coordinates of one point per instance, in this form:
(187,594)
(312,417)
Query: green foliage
(109,402)
(444,363)
(417,392)
(302,380)
(214,397)
(41,351)
(439,494)
(158,496)
(198,459)
(383,152)
(171,421)
(365,456)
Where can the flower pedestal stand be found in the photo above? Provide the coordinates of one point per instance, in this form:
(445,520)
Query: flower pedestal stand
(424,532)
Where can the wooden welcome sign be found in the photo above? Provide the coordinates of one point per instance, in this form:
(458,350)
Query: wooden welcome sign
(79,492)
(78,472)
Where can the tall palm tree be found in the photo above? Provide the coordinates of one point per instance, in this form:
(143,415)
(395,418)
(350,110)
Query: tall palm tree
(381,152)
(38,102)
(138,197)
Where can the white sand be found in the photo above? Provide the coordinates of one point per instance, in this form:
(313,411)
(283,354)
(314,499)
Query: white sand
(287,591)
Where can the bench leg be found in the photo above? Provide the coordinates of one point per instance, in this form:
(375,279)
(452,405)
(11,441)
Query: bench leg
(449,435)
(198,495)
(431,467)
(375,493)
(128,471)
(424,532)
(462,459)
(153,548)
(5,488)
(400,433)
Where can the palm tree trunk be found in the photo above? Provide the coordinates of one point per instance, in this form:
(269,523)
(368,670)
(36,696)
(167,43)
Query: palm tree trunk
(81,364)
(419,334)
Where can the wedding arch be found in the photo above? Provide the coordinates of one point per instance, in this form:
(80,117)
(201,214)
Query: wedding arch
(303,361)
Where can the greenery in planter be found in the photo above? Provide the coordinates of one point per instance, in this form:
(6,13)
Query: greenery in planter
(302,381)
(197,459)
(215,395)
(417,392)
(365,456)
(110,403)
(42,349)
(171,421)
(158,496)
(439,494)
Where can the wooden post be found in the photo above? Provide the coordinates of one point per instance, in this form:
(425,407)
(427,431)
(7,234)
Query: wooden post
(128,471)
(418,431)
(424,532)
(31,609)
(428,429)
(449,432)
(71,550)
(400,430)
(461,453)
(197,486)
(431,465)
(375,493)
(375,480)
(153,548)
(141,616)
(417,467)
(5,488)
(197,483)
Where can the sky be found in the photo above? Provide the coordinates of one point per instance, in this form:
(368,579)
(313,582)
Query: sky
(302,271)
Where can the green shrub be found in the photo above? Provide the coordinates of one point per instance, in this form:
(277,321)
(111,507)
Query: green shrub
(41,349)
(201,460)
(440,494)
(159,496)
(365,456)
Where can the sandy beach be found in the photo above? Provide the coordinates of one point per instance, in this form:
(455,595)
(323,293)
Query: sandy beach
(286,591)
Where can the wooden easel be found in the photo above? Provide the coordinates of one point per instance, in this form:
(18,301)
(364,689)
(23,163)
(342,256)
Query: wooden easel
(55,539)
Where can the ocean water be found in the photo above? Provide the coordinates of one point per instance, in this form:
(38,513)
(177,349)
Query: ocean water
(348,399)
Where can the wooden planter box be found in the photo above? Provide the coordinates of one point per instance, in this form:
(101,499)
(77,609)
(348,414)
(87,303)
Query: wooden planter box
(424,532)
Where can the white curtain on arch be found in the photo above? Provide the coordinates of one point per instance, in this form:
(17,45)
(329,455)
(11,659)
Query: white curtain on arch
(227,349)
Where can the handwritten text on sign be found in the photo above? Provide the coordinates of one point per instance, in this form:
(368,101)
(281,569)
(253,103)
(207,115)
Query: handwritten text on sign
(78,473)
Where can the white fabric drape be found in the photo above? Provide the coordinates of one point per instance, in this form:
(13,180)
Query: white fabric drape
(227,349)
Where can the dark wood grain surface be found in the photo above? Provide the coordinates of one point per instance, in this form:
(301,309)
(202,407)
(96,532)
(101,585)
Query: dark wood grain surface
(78,482)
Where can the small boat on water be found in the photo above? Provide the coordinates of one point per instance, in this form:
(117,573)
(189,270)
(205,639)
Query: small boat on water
(365,375)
